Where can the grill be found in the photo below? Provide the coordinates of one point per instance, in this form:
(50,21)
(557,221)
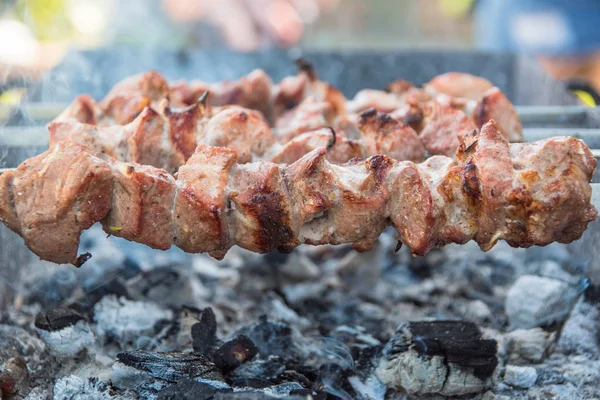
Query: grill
(325,321)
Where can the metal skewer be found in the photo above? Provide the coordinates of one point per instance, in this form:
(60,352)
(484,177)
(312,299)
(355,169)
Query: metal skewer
(595,189)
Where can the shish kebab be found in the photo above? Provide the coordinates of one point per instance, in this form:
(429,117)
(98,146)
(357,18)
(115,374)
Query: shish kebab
(165,137)
(303,103)
(524,193)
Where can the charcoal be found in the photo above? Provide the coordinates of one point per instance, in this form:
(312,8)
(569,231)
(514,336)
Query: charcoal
(548,377)
(57,319)
(50,289)
(17,342)
(522,377)
(14,377)
(354,312)
(234,353)
(258,373)
(171,366)
(539,301)
(115,287)
(254,396)
(204,333)
(441,357)
(271,338)
(284,389)
(74,388)
(581,333)
(70,340)
(188,389)
(529,345)
(130,268)
(333,379)
(163,285)
(126,320)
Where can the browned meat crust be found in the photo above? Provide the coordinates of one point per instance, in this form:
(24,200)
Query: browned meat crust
(526,194)
(303,103)
(167,139)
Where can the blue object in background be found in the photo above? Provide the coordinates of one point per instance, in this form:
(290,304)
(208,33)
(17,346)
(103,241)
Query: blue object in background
(545,27)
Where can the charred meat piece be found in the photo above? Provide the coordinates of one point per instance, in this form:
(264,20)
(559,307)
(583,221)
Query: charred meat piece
(526,194)
(252,91)
(383,134)
(494,105)
(293,90)
(128,98)
(57,195)
(167,140)
(459,84)
(309,115)
(442,127)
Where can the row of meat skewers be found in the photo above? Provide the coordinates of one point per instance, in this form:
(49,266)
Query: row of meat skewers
(265,167)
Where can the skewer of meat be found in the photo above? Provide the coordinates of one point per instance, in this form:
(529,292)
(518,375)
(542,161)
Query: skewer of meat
(167,139)
(303,103)
(526,194)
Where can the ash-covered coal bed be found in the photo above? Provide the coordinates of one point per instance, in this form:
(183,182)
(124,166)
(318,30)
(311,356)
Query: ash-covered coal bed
(319,323)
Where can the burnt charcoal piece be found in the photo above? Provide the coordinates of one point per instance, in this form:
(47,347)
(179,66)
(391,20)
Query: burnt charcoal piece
(171,366)
(333,379)
(258,373)
(187,389)
(96,292)
(130,268)
(204,333)
(445,357)
(14,378)
(271,338)
(254,396)
(459,341)
(162,276)
(57,319)
(234,353)
(592,294)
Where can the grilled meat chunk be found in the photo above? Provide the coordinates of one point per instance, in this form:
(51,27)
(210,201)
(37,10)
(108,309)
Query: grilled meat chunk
(526,194)
(252,91)
(442,127)
(459,84)
(54,197)
(166,140)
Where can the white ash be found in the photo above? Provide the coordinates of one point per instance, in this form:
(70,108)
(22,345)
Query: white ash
(126,377)
(529,345)
(536,301)
(476,311)
(69,340)
(169,285)
(552,269)
(127,320)
(74,388)
(457,282)
(302,291)
(521,377)
(277,309)
(581,333)
(39,393)
(428,375)
(299,267)
(372,388)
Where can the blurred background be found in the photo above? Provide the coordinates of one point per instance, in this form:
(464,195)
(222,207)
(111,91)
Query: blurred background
(561,35)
